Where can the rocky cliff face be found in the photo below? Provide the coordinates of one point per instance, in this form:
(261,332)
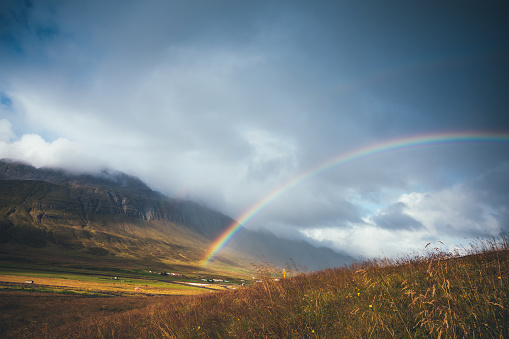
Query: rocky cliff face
(108,214)
(80,199)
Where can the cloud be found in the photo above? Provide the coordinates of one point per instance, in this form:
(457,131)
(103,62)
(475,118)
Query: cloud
(272,155)
(394,217)
(453,211)
(370,241)
(226,102)
(60,153)
(493,192)
(6,133)
(454,215)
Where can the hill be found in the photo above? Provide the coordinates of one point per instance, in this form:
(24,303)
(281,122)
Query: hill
(56,216)
(435,294)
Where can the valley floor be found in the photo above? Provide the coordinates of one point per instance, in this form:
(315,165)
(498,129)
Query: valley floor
(433,294)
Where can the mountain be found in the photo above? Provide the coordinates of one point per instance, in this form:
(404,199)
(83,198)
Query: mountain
(265,246)
(12,170)
(115,217)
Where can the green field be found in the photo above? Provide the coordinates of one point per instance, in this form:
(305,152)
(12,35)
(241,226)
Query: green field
(121,282)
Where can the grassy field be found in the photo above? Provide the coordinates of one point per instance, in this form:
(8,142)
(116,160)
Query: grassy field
(431,294)
(91,283)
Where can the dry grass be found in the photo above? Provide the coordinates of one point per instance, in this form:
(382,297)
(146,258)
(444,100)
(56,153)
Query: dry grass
(39,315)
(432,294)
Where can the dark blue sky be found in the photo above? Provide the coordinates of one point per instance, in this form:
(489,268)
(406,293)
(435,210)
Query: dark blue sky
(221,101)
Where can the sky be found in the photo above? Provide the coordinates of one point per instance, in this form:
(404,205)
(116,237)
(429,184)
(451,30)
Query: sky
(223,102)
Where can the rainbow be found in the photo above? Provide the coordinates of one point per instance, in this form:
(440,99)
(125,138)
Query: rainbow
(349,85)
(343,158)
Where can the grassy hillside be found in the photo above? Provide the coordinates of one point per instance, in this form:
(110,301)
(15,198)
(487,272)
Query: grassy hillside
(69,224)
(433,294)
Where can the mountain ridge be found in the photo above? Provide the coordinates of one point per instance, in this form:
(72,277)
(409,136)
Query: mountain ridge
(13,169)
(114,215)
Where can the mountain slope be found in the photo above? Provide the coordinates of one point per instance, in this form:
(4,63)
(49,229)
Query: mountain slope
(112,215)
(93,220)
(265,246)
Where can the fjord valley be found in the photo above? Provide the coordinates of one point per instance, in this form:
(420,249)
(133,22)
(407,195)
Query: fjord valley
(103,255)
(217,169)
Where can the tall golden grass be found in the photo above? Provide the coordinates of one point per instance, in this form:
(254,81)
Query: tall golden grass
(435,293)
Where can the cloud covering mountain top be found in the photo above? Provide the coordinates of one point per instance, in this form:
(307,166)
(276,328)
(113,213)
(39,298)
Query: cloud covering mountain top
(224,101)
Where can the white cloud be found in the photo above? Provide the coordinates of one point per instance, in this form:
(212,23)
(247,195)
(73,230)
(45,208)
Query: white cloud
(33,149)
(455,216)
(456,210)
(369,240)
(272,157)
(6,133)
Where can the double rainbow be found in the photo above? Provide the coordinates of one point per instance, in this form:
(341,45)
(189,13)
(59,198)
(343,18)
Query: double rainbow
(343,158)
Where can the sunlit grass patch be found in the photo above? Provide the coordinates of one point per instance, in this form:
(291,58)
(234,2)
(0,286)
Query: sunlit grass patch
(85,283)
(434,293)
